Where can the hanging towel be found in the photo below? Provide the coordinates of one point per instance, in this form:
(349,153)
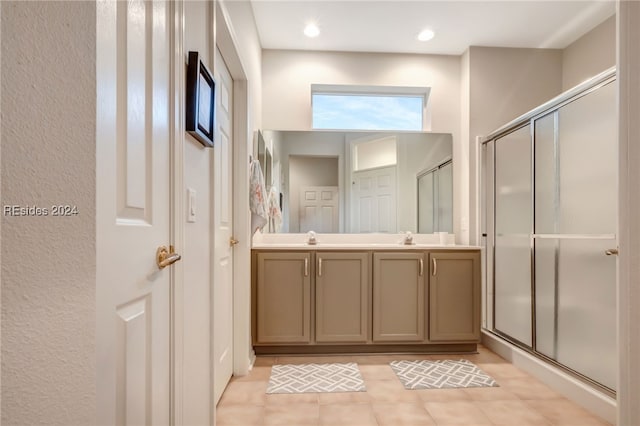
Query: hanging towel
(275,214)
(257,198)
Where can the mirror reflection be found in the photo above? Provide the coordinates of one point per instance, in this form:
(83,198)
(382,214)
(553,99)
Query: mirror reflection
(358,182)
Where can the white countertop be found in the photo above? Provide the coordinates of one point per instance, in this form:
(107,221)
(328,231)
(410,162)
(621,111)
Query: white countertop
(356,242)
(360,246)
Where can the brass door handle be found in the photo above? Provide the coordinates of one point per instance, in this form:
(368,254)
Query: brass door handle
(611,252)
(233,241)
(166,257)
(435,266)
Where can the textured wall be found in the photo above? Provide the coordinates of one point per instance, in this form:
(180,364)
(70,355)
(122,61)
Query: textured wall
(48,263)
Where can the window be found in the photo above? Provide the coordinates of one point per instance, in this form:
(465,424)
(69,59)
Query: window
(368,108)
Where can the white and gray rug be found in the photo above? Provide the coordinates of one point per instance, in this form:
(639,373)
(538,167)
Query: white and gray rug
(441,374)
(310,378)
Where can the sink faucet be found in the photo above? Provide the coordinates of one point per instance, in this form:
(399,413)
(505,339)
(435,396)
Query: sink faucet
(311,238)
(408,238)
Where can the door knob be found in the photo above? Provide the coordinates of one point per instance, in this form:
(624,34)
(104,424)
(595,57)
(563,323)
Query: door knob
(611,252)
(233,241)
(166,257)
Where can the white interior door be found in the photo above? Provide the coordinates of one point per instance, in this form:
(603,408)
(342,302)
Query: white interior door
(319,207)
(133,212)
(223,231)
(374,200)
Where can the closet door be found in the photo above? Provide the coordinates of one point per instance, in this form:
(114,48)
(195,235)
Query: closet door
(513,235)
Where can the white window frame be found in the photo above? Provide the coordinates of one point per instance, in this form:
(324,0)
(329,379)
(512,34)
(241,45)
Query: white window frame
(358,90)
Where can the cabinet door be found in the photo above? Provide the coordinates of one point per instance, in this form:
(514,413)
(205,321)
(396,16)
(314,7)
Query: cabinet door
(454,297)
(342,297)
(398,297)
(283,299)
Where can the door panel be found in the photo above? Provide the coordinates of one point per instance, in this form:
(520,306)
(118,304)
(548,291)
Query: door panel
(398,297)
(223,232)
(319,209)
(374,195)
(133,212)
(342,297)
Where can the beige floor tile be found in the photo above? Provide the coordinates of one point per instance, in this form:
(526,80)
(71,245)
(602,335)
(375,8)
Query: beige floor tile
(402,415)
(347,415)
(314,359)
(377,372)
(442,395)
(529,388)
(456,413)
(291,398)
(305,414)
(558,409)
(343,398)
(244,393)
(257,374)
(511,413)
(390,391)
(490,394)
(264,361)
(581,421)
(239,415)
(374,359)
(502,370)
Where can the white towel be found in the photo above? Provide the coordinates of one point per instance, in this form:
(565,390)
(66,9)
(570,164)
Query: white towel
(275,214)
(257,198)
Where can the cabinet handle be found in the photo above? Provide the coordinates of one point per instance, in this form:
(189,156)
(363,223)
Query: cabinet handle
(421,267)
(319,266)
(306,266)
(435,266)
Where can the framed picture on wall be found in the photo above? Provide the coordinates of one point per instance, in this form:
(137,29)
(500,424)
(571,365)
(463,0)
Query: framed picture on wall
(200,98)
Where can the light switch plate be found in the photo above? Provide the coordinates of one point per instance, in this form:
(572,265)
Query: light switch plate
(191,205)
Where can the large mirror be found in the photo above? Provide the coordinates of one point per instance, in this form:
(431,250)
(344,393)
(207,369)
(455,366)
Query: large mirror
(356,182)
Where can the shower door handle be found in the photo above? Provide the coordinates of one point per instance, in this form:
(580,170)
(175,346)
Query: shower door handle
(611,252)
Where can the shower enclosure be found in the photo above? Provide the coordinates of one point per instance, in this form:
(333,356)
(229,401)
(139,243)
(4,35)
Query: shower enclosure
(550,208)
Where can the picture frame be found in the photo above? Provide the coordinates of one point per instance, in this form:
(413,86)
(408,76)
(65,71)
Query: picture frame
(200,101)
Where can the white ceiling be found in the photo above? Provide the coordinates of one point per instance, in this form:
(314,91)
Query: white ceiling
(392,26)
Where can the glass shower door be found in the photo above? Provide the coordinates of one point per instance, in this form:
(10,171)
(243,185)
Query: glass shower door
(575,224)
(513,231)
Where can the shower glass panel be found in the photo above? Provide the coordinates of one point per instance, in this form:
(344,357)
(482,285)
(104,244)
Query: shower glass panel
(435,200)
(425,203)
(445,198)
(513,228)
(575,223)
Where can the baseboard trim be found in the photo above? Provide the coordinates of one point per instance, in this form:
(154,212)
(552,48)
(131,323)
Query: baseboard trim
(582,394)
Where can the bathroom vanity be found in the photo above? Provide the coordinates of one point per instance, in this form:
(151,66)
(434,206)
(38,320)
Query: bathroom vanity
(365,298)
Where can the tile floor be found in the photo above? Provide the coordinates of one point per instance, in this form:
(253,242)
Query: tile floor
(520,400)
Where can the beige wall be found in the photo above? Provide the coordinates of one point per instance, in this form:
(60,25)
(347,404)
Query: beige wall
(48,263)
(589,55)
(505,83)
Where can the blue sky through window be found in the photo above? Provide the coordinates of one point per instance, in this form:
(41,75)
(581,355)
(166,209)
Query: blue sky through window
(367,112)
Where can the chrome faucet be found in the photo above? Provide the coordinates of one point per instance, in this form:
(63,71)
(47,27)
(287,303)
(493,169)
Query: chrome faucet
(311,238)
(408,238)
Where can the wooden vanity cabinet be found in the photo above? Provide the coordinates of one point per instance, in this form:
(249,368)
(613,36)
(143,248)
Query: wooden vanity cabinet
(342,287)
(454,296)
(319,301)
(399,297)
(283,297)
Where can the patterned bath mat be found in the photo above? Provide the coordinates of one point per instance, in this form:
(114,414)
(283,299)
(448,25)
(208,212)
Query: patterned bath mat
(310,378)
(441,374)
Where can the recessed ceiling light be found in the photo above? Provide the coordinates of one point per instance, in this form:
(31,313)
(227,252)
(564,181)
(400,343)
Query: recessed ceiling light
(426,35)
(311,30)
